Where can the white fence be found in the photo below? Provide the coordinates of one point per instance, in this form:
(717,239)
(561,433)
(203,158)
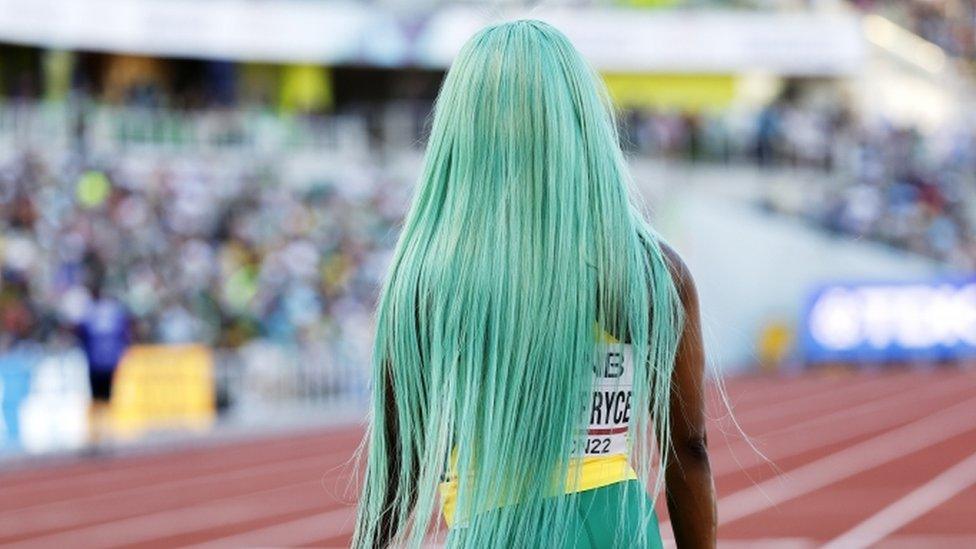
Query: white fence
(101,129)
(44,394)
(263,380)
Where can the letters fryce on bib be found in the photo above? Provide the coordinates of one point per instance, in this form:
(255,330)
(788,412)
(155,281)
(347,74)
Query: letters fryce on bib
(608,408)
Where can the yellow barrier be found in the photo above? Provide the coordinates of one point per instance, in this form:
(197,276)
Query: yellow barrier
(163,387)
(686,92)
(775,345)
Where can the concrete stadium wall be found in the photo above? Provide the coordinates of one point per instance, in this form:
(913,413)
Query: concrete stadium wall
(753,267)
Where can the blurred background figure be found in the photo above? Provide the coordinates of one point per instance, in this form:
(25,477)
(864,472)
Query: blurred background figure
(104,335)
(240,171)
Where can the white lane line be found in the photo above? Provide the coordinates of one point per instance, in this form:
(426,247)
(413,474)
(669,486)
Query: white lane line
(804,405)
(898,542)
(212,514)
(837,426)
(915,504)
(943,542)
(848,462)
(787,386)
(725,454)
(101,506)
(756,396)
(841,406)
(785,397)
(123,470)
(301,531)
(750,543)
(767,543)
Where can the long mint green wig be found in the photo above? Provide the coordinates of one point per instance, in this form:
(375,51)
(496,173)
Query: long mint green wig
(523,240)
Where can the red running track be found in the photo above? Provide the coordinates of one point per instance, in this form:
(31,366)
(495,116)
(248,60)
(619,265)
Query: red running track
(847,460)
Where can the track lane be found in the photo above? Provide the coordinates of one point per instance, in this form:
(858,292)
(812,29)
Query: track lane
(840,507)
(323,465)
(794,447)
(952,518)
(928,495)
(120,474)
(833,424)
(849,461)
(304,511)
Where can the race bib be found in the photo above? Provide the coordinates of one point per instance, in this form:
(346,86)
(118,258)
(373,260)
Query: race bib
(609,406)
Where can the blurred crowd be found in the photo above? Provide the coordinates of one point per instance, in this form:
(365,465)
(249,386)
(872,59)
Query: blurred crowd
(897,185)
(227,248)
(197,250)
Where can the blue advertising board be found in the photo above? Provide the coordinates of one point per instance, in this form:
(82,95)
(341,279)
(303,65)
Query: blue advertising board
(878,322)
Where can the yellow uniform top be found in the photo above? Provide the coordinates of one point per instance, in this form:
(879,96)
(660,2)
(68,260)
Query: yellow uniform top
(594,472)
(603,459)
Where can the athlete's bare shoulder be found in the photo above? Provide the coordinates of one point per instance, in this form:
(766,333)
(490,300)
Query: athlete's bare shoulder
(683,280)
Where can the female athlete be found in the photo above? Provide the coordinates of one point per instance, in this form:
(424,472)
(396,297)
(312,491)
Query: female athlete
(538,364)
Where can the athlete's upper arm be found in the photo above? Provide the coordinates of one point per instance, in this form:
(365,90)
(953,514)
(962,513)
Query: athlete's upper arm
(687,394)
